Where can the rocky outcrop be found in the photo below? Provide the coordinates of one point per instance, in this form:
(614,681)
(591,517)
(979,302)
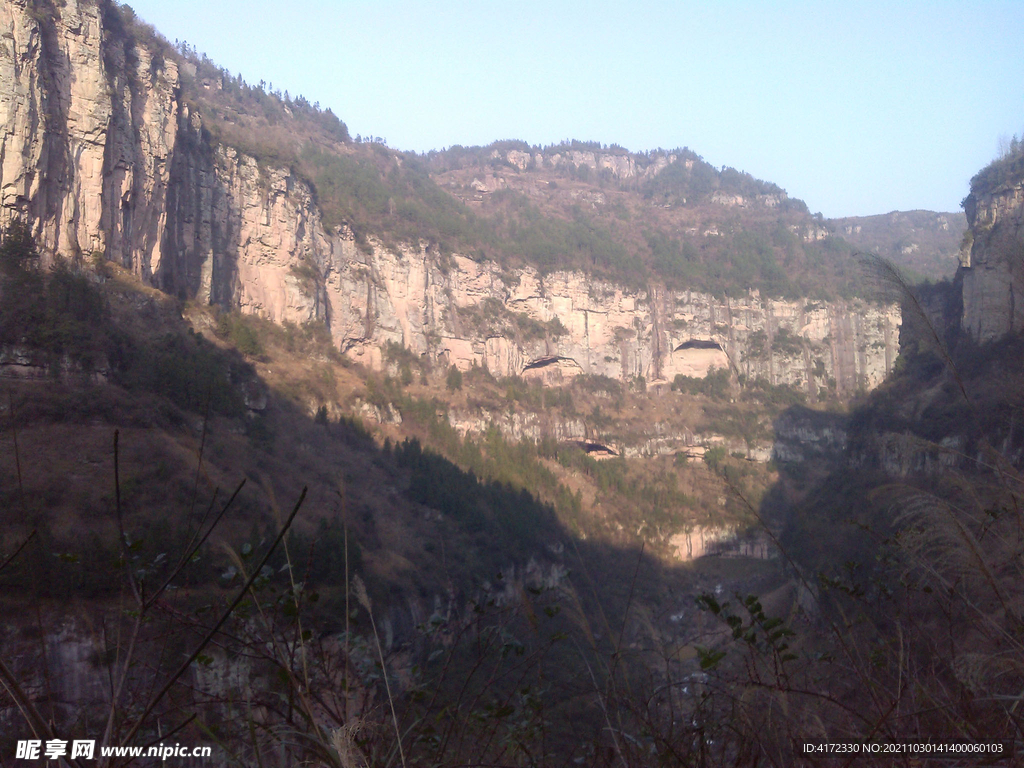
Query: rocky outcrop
(695,357)
(620,165)
(85,132)
(802,434)
(99,150)
(102,155)
(607,329)
(552,370)
(992,260)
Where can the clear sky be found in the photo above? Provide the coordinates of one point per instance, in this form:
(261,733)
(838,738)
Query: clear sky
(857,108)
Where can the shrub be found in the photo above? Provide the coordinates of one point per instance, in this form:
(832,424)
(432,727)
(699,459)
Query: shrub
(716,384)
(241,331)
(713,457)
(453,381)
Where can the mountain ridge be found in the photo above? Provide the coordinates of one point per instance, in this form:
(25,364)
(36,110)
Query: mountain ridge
(142,179)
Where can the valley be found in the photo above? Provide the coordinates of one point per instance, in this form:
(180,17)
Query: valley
(591,455)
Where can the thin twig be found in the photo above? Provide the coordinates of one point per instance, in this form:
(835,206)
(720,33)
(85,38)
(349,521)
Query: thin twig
(220,622)
(120,522)
(36,722)
(17,552)
(191,553)
(364,600)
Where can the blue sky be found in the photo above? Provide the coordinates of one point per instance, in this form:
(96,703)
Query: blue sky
(856,108)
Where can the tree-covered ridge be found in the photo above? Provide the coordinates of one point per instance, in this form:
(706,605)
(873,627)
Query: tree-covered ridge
(667,176)
(669,217)
(923,244)
(1006,168)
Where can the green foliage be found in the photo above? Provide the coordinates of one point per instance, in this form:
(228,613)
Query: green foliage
(372,194)
(18,252)
(716,384)
(242,331)
(517,522)
(62,314)
(188,370)
(787,343)
(400,354)
(522,392)
(598,383)
(405,360)
(551,243)
(261,435)
(679,185)
(559,398)
(453,381)
(534,396)
(491,317)
(679,261)
(1007,168)
(714,456)
(776,397)
(658,499)
(58,314)
(312,338)
(761,634)
(736,422)
(492,458)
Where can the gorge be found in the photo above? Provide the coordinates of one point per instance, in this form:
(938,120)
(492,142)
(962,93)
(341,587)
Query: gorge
(598,456)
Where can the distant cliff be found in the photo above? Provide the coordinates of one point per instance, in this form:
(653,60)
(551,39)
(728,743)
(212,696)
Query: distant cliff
(992,261)
(107,158)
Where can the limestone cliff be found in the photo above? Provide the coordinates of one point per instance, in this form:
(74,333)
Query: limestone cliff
(102,154)
(992,259)
(602,328)
(100,150)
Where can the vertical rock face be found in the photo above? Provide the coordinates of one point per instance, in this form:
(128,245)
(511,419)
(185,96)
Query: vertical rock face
(100,152)
(602,328)
(87,124)
(992,269)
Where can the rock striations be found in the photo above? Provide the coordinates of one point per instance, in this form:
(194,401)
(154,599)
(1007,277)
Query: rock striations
(992,258)
(99,150)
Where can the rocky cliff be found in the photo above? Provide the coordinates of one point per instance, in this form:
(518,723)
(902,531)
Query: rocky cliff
(992,258)
(104,155)
(475,314)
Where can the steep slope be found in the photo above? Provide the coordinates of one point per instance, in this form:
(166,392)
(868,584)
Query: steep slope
(992,269)
(549,337)
(907,530)
(108,150)
(922,243)
(130,415)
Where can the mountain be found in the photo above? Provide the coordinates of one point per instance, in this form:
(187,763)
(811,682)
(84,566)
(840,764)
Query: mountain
(514,394)
(992,268)
(911,527)
(213,190)
(924,244)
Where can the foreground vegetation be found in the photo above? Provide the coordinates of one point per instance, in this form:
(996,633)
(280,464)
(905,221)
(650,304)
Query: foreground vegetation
(230,555)
(459,615)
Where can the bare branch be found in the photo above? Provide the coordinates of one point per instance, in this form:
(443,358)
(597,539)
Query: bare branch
(216,627)
(17,552)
